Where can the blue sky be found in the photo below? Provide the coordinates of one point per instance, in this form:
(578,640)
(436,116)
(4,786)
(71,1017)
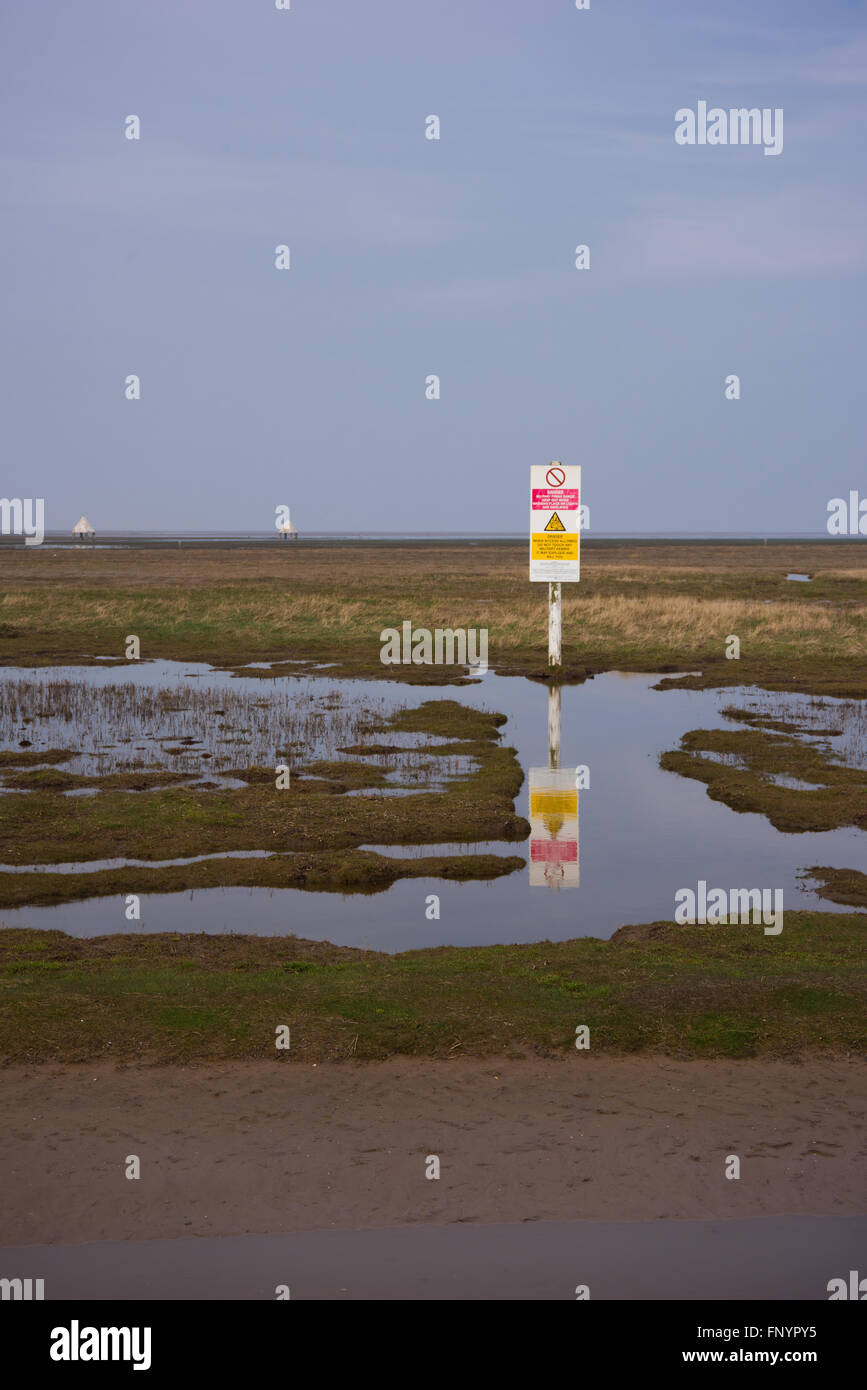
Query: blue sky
(411,257)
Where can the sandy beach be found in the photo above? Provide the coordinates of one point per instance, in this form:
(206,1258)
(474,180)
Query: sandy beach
(285,1147)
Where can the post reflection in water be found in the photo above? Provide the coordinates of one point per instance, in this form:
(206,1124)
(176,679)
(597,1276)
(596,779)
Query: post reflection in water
(554,812)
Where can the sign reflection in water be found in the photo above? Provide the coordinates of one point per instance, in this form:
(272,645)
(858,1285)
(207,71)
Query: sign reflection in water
(554,812)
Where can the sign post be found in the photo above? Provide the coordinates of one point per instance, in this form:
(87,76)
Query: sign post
(555,500)
(554,698)
(555,497)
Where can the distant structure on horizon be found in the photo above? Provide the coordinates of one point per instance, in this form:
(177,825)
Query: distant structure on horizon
(289,531)
(83,529)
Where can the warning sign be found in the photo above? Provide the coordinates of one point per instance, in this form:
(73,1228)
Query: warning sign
(555,497)
(546,499)
(548,547)
(553,827)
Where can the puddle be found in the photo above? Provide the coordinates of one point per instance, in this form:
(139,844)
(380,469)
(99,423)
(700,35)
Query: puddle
(93,866)
(777,779)
(503,847)
(801,578)
(770,1258)
(200,721)
(794,784)
(640,834)
(817,721)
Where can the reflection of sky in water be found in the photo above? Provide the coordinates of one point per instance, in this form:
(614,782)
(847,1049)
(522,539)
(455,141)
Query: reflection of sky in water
(643,833)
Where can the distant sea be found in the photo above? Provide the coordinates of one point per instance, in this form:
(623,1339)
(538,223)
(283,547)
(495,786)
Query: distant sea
(107,539)
(259,536)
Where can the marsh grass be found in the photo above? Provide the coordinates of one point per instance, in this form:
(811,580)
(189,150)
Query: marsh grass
(653,607)
(329,809)
(725,991)
(650,619)
(797,785)
(839,726)
(848,886)
(122,725)
(141,736)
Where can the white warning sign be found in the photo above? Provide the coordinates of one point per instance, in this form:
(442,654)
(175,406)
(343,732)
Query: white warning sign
(555,509)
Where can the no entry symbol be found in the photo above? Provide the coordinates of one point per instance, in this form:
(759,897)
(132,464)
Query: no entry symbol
(555,477)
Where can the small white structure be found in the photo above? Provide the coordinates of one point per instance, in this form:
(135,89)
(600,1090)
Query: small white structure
(289,531)
(82,530)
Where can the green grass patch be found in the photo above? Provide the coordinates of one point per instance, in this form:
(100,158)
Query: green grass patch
(312,828)
(837,795)
(682,991)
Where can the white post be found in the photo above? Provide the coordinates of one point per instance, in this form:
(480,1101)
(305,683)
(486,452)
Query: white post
(555,625)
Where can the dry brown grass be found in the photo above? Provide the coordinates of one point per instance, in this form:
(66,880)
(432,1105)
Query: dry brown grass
(654,607)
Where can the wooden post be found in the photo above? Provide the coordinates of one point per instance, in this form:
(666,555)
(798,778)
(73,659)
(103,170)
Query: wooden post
(555,625)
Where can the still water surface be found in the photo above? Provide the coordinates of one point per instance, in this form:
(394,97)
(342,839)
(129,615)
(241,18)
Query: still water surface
(770,1257)
(642,833)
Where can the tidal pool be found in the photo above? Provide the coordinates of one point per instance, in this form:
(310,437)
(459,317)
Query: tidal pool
(641,834)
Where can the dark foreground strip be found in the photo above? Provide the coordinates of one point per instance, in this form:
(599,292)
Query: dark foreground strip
(649,1295)
(264,1340)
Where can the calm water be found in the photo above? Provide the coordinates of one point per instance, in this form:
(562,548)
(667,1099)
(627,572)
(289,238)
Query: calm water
(769,1257)
(642,833)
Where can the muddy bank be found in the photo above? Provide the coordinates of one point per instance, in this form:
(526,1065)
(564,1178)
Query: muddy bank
(847,886)
(262,1147)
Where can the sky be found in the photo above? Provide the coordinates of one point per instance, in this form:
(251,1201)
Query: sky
(412,257)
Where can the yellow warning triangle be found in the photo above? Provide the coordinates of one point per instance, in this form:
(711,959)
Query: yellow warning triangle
(555,524)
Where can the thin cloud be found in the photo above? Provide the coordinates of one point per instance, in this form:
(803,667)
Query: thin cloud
(176,188)
(837,65)
(774,234)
